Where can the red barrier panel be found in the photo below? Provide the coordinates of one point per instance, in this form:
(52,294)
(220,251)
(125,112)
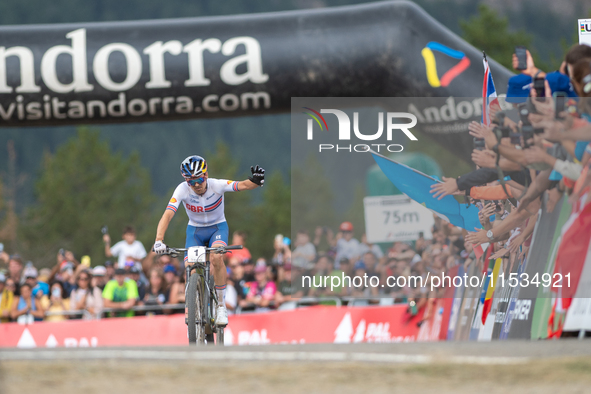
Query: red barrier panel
(307,325)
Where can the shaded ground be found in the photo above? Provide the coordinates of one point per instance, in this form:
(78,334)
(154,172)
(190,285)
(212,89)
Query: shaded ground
(540,367)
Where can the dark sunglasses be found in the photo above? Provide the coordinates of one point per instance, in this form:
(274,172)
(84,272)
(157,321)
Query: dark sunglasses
(196,181)
(84,278)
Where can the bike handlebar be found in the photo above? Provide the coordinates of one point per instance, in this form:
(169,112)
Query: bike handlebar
(216,249)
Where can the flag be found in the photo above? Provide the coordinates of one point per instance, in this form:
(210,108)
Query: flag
(574,250)
(489,93)
(417,186)
(490,285)
(480,249)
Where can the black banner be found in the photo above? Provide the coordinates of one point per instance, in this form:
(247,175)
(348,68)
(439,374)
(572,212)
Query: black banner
(232,66)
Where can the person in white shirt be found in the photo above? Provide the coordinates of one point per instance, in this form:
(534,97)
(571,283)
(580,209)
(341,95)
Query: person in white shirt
(347,246)
(129,249)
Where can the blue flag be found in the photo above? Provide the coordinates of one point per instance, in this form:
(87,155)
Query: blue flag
(417,186)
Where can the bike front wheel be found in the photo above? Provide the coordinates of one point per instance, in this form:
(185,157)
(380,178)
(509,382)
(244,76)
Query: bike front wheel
(219,336)
(195,326)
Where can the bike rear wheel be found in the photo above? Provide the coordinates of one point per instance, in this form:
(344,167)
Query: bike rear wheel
(195,325)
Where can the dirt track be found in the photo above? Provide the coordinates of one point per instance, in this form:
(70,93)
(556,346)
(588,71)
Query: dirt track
(525,367)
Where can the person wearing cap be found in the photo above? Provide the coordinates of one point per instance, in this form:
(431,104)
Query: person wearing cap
(134,274)
(99,277)
(347,246)
(284,285)
(39,289)
(110,267)
(170,274)
(6,299)
(262,292)
(121,293)
(129,249)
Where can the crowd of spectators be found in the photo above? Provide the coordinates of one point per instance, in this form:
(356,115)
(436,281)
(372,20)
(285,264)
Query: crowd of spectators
(517,163)
(146,283)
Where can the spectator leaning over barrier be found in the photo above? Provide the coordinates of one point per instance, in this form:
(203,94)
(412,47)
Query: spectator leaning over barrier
(26,308)
(129,249)
(56,303)
(121,293)
(86,297)
(6,299)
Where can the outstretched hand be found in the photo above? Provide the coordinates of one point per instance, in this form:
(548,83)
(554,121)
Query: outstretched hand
(448,187)
(477,238)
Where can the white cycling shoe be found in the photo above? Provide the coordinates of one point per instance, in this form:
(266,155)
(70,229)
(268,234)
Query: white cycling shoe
(221,316)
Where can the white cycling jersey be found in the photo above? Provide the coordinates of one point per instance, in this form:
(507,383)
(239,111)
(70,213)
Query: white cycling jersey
(205,210)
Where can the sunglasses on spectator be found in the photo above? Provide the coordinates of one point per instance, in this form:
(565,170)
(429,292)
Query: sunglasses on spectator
(10,285)
(234,266)
(196,181)
(84,278)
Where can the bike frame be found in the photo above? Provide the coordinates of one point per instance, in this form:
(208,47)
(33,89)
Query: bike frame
(208,299)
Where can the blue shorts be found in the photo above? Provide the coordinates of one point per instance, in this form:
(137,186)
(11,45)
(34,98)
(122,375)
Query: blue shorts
(216,235)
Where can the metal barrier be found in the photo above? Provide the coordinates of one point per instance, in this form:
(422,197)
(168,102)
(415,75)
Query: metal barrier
(138,308)
(289,305)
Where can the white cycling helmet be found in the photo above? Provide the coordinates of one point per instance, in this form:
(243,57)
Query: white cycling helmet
(193,166)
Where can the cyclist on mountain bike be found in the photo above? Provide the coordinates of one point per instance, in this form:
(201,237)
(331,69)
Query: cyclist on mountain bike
(203,199)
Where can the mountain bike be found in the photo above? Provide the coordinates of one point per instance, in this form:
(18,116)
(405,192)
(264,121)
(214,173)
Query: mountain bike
(200,296)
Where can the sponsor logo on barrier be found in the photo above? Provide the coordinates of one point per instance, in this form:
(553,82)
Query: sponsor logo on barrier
(372,332)
(431,64)
(26,341)
(344,130)
(522,309)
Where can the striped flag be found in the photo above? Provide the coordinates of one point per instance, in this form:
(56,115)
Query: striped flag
(480,249)
(489,94)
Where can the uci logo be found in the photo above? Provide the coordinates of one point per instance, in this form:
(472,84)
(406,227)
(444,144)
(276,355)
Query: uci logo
(585,27)
(344,132)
